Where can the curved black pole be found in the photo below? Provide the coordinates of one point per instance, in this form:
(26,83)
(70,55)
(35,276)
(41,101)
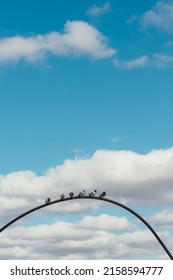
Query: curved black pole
(98,198)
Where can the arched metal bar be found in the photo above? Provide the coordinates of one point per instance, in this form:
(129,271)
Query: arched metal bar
(97,198)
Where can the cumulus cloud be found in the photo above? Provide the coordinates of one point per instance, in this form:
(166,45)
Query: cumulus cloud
(160,17)
(106,222)
(164,218)
(126,176)
(95,11)
(77,39)
(78,240)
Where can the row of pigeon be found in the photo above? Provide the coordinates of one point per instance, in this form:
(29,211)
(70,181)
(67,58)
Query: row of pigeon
(81,194)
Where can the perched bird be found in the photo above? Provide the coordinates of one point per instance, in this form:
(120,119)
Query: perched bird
(62,196)
(71,194)
(81,194)
(102,194)
(47,201)
(93,193)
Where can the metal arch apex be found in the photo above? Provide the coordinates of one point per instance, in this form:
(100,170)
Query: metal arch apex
(97,198)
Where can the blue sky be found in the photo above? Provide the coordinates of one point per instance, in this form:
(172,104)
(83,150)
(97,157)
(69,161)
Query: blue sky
(82,78)
(52,107)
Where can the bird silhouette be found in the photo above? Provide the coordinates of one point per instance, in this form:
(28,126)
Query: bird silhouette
(71,194)
(62,196)
(93,193)
(47,201)
(81,194)
(102,194)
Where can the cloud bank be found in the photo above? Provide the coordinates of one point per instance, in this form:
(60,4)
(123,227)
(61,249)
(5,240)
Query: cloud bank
(77,39)
(125,175)
(134,179)
(79,240)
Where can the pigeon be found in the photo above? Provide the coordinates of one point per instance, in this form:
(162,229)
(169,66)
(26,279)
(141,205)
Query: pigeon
(93,193)
(102,195)
(81,194)
(62,196)
(47,201)
(71,194)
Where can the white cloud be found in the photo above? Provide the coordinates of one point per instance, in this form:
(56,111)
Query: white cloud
(116,139)
(106,222)
(164,218)
(95,11)
(78,39)
(162,60)
(161,17)
(138,62)
(132,19)
(66,240)
(126,176)
(156,60)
